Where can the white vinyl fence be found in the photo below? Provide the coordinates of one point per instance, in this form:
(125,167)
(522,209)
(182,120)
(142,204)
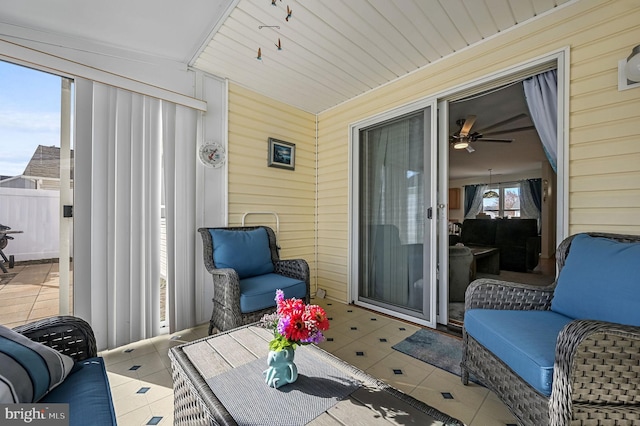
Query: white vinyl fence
(37,214)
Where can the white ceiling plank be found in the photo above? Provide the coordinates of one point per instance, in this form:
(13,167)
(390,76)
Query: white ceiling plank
(501,12)
(288,60)
(336,52)
(455,28)
(235,32)
(385,36)
(293,91)
(541,6)
(348,27)
(482,18)
(291,57)
(522,10)
(398,15)
(275,73)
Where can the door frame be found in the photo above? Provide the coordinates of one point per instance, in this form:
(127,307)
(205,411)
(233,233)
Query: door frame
(429,286)
(558,59)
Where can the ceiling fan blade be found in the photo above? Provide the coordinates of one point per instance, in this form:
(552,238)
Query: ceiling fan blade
(467,125)
(503,122)
(517,129)
(494,140)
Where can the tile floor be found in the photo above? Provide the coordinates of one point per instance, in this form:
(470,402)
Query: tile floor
(140,373)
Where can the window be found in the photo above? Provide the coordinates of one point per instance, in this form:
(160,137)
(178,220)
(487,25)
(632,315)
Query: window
(506,205)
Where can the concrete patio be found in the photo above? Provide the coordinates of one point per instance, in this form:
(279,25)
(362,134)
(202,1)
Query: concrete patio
(29,292)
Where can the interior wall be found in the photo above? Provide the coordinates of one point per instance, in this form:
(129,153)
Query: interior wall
(603,152)
(255,187)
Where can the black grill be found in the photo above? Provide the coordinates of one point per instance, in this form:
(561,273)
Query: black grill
(4,241)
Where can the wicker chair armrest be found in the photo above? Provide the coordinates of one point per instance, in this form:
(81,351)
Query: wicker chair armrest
(294,268)
(69,335)
(487,293)
(226,286)
(597,368)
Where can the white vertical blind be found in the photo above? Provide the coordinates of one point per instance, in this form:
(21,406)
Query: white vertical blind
(122,139)
(179,139)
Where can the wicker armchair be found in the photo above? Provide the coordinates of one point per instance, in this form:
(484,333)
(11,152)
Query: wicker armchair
(226,313)
(69,335)
(596,374)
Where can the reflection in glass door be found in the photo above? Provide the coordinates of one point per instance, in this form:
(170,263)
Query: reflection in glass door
(393,203)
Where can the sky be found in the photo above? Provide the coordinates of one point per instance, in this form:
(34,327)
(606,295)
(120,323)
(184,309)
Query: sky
(29,115)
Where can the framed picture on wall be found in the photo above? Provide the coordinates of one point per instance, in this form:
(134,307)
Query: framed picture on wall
(282,154)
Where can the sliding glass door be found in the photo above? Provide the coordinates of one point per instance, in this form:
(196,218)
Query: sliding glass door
(394,208)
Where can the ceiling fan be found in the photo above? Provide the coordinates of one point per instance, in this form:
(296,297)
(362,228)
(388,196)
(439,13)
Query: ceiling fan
(464,138)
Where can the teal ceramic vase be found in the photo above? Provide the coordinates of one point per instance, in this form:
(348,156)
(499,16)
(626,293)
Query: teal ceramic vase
(282,369)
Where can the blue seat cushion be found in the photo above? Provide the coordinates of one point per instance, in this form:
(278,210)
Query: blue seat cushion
(599,281)
(87,393)
(524,340)
(260,292)
(247,252)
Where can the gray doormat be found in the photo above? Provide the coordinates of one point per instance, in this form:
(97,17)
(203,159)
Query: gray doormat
(251,401)
(438,349)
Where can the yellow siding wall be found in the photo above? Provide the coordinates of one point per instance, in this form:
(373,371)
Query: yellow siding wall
(604,141)
(254,187)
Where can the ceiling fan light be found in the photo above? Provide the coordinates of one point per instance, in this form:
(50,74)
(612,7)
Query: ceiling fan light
(460,145)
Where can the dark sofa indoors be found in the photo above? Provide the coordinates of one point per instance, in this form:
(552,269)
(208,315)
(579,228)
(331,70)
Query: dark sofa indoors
(517,239)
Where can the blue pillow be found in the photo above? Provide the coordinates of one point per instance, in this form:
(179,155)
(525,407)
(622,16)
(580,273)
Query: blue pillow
(600,281)
(245,251)
(28,369)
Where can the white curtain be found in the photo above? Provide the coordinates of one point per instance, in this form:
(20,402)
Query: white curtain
(476,204)
(541,93)
(528,208)
(119,143)
(393,199)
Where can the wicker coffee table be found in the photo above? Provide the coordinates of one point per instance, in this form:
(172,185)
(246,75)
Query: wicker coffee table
(202,365)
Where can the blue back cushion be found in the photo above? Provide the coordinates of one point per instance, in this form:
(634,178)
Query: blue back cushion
(245,251)
(600,281)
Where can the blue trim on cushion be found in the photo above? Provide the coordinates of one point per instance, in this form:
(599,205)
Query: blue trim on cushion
(258,293)
(88,394)
(247,252)
(600,281)
(524,340)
